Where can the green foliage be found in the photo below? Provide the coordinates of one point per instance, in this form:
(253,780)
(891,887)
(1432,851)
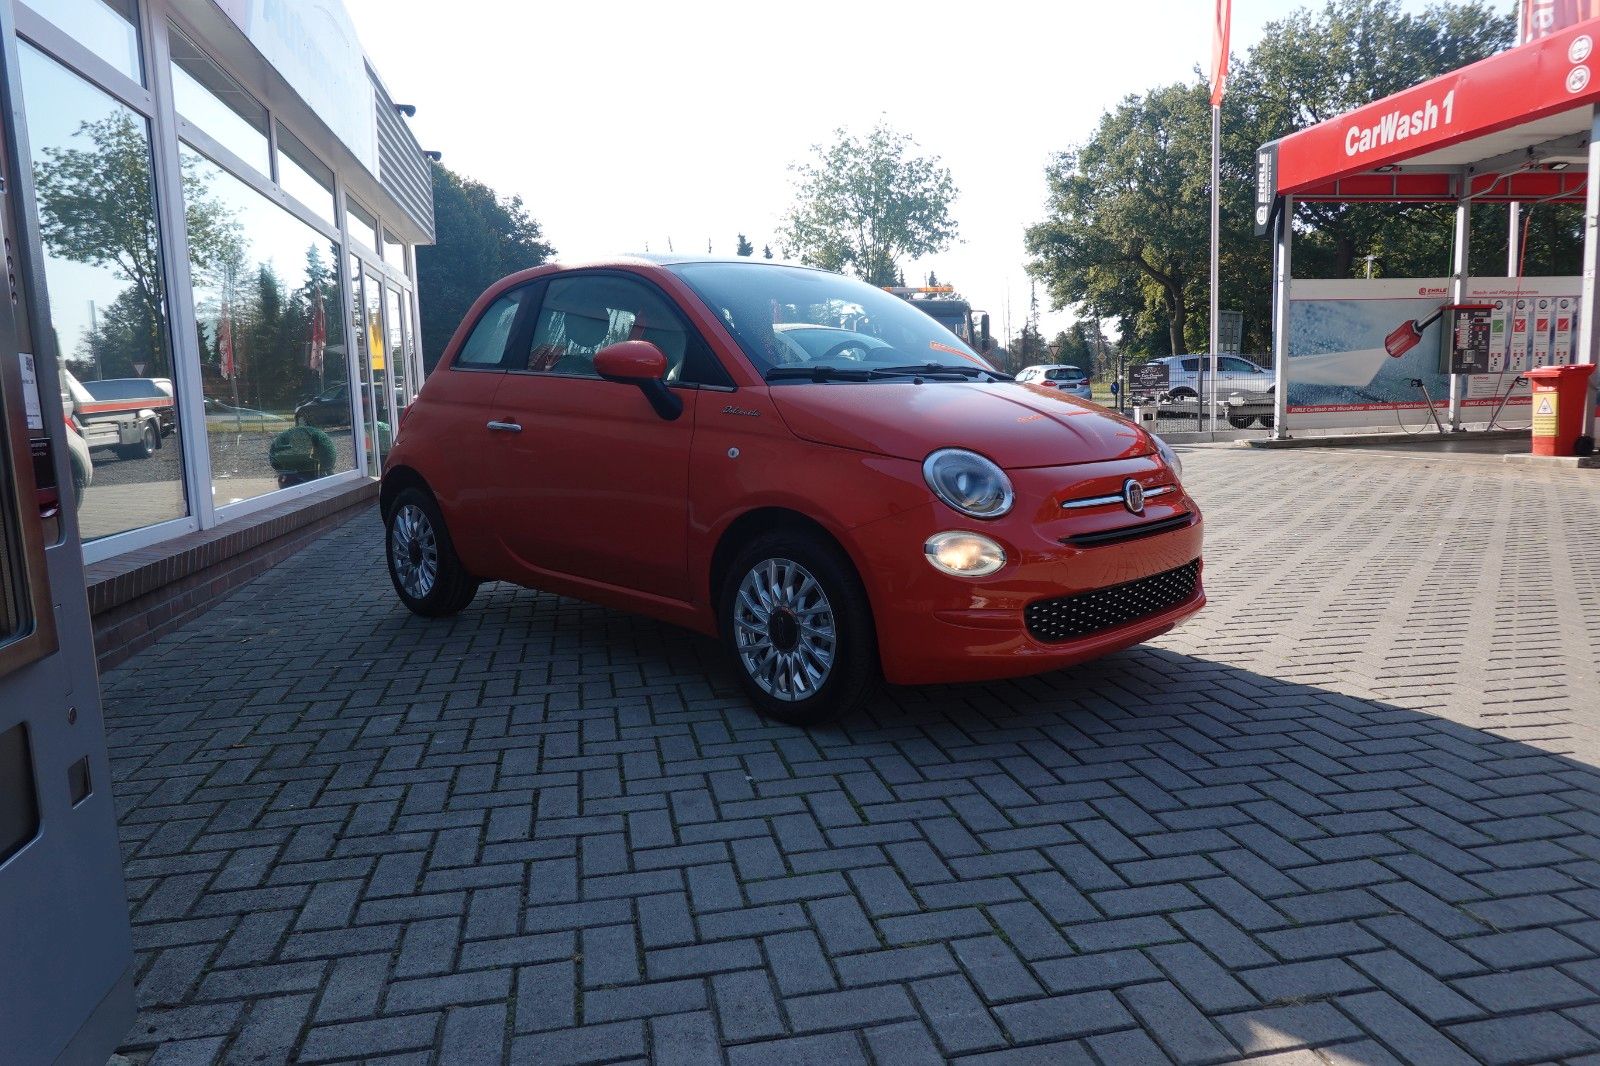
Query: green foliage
(1127,229)
(766,251)
(863,204)
(480,238)
(744,247)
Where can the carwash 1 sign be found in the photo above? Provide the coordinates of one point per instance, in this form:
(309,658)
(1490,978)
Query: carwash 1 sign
(1397,126)
(1511,88)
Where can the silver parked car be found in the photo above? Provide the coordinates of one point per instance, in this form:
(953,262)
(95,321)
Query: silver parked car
(1235,373)
(1069,379)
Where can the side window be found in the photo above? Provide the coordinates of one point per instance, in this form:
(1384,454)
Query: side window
(486,347)
(587,312)
(1234,365)
(1190,366)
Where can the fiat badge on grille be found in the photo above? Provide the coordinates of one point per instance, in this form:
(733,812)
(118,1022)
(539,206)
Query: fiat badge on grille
(1133,496)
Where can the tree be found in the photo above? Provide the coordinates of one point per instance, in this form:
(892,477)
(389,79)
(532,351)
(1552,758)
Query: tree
(863,204)
(744,247)
(96,208)
(1127,230)
(766,251)
(480,237)
(1128,224)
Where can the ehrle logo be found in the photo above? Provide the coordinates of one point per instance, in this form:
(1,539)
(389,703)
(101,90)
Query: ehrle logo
(1397,126)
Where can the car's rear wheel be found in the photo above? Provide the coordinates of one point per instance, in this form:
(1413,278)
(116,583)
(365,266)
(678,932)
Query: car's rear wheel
(798,623)
(149,441)
(1241,421)
(427,575)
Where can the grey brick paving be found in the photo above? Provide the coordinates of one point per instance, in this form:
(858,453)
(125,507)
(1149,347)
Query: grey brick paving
(1349,814)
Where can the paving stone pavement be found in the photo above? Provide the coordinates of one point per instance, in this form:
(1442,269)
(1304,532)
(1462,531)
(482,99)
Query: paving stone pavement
(1350,813)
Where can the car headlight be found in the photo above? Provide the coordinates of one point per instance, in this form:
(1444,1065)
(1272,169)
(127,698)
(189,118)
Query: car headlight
(1169,456)
(964,554)
(968,482)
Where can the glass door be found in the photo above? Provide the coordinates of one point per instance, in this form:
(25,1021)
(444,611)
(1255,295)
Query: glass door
(380,365)
(399,351)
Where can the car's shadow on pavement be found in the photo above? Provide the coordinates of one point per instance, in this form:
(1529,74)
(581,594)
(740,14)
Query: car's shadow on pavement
(547,832)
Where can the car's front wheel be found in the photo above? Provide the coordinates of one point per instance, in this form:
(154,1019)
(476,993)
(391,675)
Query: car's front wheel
(798,623)
(427,575)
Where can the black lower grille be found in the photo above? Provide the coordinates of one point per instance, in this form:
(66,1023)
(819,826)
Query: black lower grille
(1087,613)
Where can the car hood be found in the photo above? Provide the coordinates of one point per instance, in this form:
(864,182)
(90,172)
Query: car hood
(1017,426)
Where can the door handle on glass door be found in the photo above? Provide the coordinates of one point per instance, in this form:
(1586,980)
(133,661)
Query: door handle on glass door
(505,427)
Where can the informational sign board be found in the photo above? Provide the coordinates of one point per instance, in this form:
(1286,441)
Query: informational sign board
(1468,338)
(1230,331)
(1151,377)
(1356,345)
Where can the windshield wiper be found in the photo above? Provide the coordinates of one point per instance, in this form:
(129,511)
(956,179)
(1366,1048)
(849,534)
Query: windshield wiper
(827,372)
(960,370)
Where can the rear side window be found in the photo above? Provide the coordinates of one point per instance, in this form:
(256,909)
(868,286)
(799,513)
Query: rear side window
(1191,365)
(486,346)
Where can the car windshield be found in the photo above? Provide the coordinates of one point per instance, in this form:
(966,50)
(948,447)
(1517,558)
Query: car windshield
(799,323)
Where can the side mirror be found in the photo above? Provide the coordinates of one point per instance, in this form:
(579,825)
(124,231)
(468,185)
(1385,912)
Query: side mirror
(642,364)
(985,343)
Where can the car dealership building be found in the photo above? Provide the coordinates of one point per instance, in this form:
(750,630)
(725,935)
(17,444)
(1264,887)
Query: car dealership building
(225,205)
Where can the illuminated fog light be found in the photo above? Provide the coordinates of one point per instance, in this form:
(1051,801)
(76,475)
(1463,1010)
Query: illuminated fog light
(964,554)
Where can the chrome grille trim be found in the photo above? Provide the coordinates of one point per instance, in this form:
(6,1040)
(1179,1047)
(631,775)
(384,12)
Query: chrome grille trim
(1101,501)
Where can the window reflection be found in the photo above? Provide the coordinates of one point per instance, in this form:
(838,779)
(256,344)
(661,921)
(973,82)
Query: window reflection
(108,28)
(381,361)
(92,174)
(363,226)
(272,358)
(208,96)
(303,176)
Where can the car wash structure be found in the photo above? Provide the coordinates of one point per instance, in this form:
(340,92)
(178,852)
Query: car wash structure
(1520,127)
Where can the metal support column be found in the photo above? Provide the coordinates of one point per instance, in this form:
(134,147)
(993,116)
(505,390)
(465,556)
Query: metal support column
(1514,243)
(1216,176)
(1588,338)
(1281,274)
(1458,294)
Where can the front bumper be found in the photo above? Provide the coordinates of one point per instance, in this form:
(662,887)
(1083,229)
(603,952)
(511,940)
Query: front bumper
(936,628)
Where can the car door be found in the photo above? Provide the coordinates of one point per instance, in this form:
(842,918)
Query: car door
(595,483)
(460,452)
(1241,375)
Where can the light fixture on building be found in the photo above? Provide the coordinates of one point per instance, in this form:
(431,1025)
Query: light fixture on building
(408,110)
(1388,168)
(435,156)
(1560,164)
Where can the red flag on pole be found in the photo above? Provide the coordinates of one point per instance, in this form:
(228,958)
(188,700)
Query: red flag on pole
(319,335)
(1219,50)
(225,340)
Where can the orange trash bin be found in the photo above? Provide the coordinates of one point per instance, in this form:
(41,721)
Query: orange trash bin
(1558,402)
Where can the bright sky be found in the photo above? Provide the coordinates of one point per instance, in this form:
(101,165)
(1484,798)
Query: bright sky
(634,122)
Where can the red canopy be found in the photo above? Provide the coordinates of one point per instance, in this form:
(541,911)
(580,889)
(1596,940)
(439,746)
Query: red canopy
(1513,127)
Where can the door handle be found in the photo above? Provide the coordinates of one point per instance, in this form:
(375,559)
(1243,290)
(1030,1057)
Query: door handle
(505,427)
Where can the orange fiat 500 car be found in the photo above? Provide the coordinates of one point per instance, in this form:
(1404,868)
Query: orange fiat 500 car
(804,465)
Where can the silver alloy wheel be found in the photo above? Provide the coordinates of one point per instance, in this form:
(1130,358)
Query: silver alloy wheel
(414,551)
(784,629)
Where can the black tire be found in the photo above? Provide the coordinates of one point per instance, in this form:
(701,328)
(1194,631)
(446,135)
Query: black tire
(443,589)
(149,441)
(1241,421)
(849,675)
(1266,421)
(1185,394)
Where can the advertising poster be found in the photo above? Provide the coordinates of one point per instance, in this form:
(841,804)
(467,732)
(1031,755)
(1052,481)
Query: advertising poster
(1522,314)
(1355,346)
(1566,320)
(1543,312)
